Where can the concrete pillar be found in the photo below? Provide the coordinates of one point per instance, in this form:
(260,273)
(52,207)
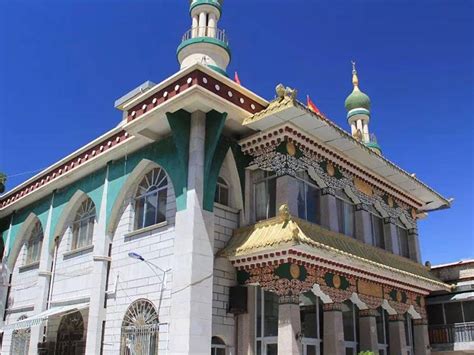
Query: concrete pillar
(195,26)
(414,245)
(202,24)
(329,211)
(359,126)
(289,326)
(366,132)
(368,330)
(391,237)
(191,303)
(44,276)
(363,228)
(287,193)
(101,259)
(353,128)
(333,338)
(420,337)
(212,25)
(397,335)
(246,326)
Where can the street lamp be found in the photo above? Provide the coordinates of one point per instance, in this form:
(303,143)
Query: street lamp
(137,256)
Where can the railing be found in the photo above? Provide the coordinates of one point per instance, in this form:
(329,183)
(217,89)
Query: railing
(207,31)
(451,333)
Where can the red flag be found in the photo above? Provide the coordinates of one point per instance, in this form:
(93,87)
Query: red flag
(311,105)
(236,78)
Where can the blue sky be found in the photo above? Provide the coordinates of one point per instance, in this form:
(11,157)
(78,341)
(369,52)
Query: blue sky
(63,63)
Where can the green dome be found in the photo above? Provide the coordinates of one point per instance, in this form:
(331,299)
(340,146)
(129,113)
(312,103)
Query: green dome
(357,99)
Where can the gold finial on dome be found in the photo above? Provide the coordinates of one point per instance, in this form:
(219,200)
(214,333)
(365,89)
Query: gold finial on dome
(355,79)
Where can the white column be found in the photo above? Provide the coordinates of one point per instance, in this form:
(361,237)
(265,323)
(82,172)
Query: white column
(191,303)
(212,25)
(99,275)
(289,326)
(202,24)
(353,128)
(195,25)
(366,132)
(368,330)
(44,276)
(359,126)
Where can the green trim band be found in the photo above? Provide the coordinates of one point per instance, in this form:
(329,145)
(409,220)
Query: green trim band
(213,3)
(358,111)
(217,69)
(209,40)
(373,145)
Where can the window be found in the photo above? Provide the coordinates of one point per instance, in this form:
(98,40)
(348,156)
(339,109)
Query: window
(450,312)
(83,225)
(453,312)
(402,234)
(265,196)
(20,340)
(311,315)
(409,333)
(309,200)
(435,314)
(382,331)
(350,321)
(150,200)
(267,322)
(217,346)
(140,327)
(468,310)
(376,222)
(345,214)
(70,338)
(34,243)
(222,192)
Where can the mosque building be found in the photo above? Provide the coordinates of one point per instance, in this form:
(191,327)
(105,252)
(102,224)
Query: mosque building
(214,221)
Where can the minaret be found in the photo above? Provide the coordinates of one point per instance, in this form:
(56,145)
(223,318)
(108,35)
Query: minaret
(358,114)
(205,43)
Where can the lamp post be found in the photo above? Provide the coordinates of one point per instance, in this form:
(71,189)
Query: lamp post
(137,256)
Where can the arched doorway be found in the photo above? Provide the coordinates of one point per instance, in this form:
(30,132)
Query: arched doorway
(70,339)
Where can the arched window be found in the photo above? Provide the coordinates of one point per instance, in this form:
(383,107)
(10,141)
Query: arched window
(345,214)
(70,339)
(33,245)
(150,200)
(140,327)
(83,225)
(377,228)
(217,346)
(222,192)
(20,340)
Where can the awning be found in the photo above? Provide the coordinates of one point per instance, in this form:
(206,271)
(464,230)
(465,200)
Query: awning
(41,317)
(464,296)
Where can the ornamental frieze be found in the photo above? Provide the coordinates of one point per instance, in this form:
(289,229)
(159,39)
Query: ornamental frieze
(286,158)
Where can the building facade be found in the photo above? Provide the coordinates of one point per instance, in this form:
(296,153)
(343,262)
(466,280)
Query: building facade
(211,220)
(451,314)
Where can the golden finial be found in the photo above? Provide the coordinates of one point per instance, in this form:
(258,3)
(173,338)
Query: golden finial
(355,79)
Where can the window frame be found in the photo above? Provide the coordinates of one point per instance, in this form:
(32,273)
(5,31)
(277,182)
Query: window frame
(217,346)
(305,181)
(264,340)
(342,199)
(398,227)
(34,244)
(374,213)
(89,216)
(385,345)
(352,344)
(267,176)
(222,185)
(141,199)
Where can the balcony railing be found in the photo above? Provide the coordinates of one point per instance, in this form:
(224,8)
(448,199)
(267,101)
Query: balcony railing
(207,31)
(451,333)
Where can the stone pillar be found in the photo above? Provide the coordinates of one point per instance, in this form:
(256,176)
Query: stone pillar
(191,303)
(363,229)
(44,277)
(333,338)
(211,31)
(289,326)
(368,330)
(329,210)
(414,245)
(195,26)
(246,326)
(421,340)
(202,24)
(99,276)
(397,335)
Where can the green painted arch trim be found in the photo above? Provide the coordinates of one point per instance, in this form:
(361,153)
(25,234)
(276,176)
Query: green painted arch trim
(213,3)
(358,111)
(217,69)
(373,145)
(209,40)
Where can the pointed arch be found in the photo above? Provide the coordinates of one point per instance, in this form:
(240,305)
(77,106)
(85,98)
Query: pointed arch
(67,214)
(230,174)
(23,234)
(127,191)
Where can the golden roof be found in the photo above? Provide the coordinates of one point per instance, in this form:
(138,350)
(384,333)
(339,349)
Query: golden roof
(285,231)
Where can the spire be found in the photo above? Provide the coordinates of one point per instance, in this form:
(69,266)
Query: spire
(355,79)
(204,42)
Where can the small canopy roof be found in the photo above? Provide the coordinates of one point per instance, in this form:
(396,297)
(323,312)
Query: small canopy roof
(41,317)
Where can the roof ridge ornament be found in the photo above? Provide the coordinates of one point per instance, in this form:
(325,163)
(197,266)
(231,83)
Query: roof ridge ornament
(285,92)
(355,78)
